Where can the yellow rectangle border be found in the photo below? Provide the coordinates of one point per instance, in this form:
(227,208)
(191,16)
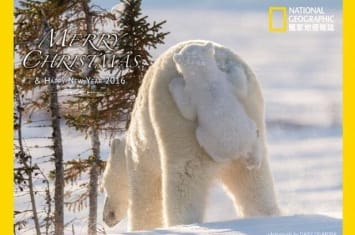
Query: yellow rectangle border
(6,117)
(348,118)
(284,19)
(6,122)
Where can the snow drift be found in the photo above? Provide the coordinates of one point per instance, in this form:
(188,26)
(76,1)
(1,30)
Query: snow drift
(283,225)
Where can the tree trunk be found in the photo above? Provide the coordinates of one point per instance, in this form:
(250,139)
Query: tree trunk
(95,139)
(58,154)
(28,168)
(33,201)
(57,142)
(94,175)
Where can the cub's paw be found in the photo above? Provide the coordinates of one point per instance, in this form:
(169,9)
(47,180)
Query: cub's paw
(252,161)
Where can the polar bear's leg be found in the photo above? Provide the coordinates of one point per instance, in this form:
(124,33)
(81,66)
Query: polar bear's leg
(252,190)
(145,209)
(186,179)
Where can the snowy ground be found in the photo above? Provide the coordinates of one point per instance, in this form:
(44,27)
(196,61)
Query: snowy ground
(301,77)
(286,225)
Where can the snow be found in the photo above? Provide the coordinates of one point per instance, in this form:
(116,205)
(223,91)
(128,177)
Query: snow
(301,78)
(118,9)
(284,225)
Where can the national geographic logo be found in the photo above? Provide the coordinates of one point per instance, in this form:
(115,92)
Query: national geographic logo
(300,19)
(277,25)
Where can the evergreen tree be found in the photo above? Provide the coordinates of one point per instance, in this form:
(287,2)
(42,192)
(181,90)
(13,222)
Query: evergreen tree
(23,173)
(34,20)
(93,108)
(105,108)
(31,24)
(137,37)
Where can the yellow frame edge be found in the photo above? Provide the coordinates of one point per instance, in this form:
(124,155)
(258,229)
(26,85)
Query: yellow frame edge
(6,117)
(348,118)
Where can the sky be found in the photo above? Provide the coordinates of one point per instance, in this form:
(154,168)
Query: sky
(253,5)
(225,4)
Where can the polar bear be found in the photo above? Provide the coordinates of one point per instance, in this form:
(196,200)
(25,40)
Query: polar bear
(168,172)
(203,92)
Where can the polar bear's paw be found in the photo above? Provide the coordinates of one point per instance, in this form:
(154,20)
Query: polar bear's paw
(252,161)
(254,158)
(182,99)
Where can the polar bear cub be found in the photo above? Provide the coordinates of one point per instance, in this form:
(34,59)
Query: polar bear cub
(205,94)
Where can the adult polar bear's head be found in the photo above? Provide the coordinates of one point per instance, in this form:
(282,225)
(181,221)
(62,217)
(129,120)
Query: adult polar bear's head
(115,184)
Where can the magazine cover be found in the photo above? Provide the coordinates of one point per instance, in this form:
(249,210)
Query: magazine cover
(177,117)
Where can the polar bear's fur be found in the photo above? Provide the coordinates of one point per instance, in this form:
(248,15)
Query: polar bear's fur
(168,171)
(204,93)
(115,183)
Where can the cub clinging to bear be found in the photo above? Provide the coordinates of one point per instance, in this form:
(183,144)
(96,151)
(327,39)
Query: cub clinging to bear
(204,93)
